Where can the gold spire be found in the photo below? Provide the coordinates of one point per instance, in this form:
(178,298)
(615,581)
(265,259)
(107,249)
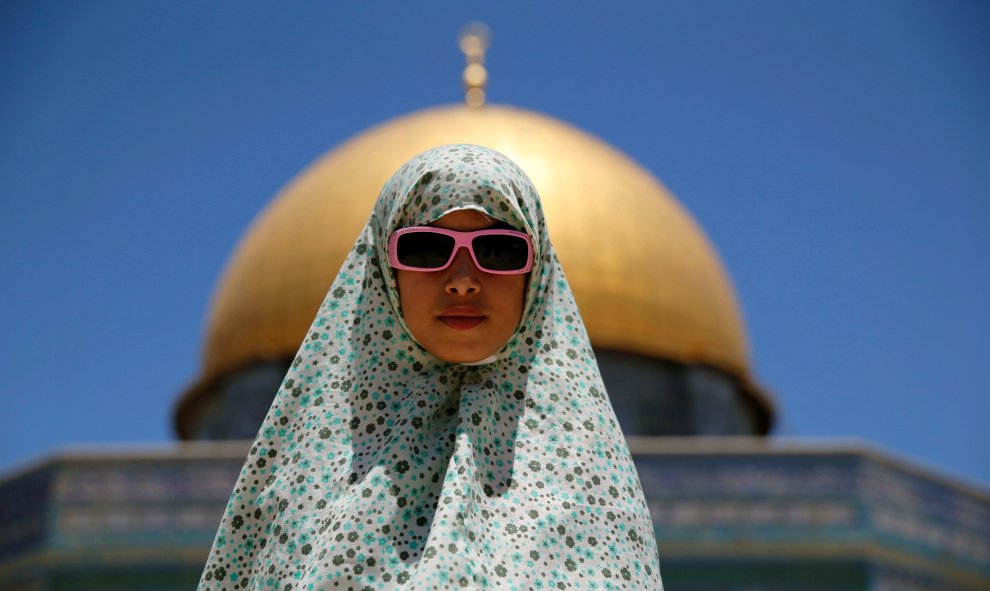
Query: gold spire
(474,40)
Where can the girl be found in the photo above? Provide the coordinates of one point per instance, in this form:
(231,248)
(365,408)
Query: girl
(444,424)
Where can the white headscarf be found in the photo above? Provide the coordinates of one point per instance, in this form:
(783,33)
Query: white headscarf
(380,466)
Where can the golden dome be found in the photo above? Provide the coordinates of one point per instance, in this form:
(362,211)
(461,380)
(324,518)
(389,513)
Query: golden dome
(643,273)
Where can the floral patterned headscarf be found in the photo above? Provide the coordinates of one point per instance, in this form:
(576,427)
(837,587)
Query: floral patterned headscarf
(380,466)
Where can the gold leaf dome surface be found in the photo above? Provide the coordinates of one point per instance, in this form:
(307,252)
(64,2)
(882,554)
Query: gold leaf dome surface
(645,277)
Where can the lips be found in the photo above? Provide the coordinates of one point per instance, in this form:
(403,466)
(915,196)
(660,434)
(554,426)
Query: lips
(461,317)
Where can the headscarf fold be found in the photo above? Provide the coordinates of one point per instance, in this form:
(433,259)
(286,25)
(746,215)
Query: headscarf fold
(382,467)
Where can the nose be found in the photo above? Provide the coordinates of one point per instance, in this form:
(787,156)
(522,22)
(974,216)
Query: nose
(463,278)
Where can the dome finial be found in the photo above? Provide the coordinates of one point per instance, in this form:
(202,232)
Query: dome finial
(474,39)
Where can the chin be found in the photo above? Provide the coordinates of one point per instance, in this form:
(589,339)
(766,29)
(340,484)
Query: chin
(461,358)
(460,355)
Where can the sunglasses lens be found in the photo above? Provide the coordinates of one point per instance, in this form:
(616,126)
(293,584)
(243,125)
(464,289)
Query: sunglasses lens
(424,250)
(501,252)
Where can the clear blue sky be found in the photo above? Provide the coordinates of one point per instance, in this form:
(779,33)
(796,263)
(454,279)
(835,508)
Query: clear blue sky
(837,154)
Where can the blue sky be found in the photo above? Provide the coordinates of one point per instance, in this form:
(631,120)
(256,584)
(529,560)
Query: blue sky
(837,154)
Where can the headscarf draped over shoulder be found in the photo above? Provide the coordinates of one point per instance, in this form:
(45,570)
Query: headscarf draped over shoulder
(381,467)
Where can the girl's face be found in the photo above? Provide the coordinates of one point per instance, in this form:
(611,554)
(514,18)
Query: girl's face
(461,314)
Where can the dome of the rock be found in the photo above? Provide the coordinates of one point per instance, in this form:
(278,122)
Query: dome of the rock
(646,279)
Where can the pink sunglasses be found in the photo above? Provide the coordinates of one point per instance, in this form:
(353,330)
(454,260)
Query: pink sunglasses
(425,248)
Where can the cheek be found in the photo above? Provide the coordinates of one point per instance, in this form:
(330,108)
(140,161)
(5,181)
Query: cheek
(408,292)
(512,292)
(417,294)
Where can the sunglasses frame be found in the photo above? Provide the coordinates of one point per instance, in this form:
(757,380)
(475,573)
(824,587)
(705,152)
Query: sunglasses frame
(461,240)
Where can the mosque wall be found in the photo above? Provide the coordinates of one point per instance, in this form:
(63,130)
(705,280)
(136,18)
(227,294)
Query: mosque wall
(729,514)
